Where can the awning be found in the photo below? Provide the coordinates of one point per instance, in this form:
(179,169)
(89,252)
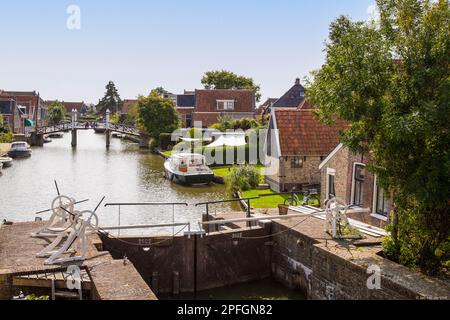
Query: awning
(229,140)
(29,123)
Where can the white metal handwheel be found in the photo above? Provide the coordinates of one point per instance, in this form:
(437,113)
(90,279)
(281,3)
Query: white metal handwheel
(91,219)
(62,202)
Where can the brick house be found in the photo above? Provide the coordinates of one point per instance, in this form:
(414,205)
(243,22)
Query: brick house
(81,107)
(344,175)
(296,144)
(208,106)
(28,106)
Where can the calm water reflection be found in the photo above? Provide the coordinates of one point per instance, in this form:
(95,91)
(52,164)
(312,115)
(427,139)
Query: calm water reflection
(122,174)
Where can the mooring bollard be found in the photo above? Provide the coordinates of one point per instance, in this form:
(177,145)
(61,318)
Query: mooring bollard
(74,138)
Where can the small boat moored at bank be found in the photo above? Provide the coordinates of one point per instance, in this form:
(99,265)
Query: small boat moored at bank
(55,136)
(20,150)
(188,169)
(6,162)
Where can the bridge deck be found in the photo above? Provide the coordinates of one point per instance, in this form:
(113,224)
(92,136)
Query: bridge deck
(113,127)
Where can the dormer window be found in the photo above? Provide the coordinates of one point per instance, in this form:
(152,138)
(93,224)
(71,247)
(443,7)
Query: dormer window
(225,105)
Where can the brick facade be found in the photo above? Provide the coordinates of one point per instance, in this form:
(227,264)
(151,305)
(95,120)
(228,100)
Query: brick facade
(294,178)
(206,109)
(35,108)
(186,117)
(342,162)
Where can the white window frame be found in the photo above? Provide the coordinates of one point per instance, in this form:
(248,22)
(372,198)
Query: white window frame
(225,104)
(352,195)
(330,172)
(374,213)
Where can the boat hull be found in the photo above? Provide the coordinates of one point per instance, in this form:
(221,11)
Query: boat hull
(187,179)
(6,162)
(55,136)
(19,154)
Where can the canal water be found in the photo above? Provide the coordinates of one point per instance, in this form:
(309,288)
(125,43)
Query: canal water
(124,173)
(267,289)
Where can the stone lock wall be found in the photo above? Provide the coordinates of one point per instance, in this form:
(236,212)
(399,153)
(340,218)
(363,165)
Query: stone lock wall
(183,264)
(325,271)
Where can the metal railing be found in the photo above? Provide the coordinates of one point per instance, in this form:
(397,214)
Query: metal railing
(148,226)
(227,201)
(118,127)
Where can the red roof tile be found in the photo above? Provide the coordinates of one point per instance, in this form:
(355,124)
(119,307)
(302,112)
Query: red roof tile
(301,133)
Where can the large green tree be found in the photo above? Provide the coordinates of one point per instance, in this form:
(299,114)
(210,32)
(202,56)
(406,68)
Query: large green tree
(224,79)
(157,115)
(111,100)
(390,79)
(56,112)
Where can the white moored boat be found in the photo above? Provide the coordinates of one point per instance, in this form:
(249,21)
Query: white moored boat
(20,150)
(188,169)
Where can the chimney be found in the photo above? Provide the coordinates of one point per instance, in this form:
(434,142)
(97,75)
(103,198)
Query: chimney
(297,81)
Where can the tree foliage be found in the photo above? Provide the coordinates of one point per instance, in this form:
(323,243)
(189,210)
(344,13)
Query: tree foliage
(224,79)
(157,115)
(111,100)
(390,79)
(56,113)
(227,123)
(6,135)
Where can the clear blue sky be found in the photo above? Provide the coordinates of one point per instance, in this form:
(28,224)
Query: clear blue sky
(144,44)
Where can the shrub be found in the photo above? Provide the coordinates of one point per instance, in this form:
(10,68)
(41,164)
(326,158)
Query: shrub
(228,123)
(244,177)
(6,137)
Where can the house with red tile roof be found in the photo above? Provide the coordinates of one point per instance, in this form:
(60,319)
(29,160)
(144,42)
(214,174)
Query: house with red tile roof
(296,144)
(208,106)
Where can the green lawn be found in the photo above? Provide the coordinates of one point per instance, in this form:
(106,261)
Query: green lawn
(221,171)
(264,202)
(225,171)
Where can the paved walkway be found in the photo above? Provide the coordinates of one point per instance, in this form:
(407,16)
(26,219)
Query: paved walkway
(4,148)
(111,279)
